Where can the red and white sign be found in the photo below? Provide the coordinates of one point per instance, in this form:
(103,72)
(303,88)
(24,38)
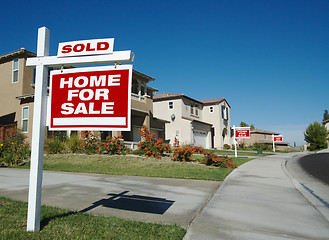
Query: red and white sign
(97,98)
(242,132)
(85,47)
(277,139)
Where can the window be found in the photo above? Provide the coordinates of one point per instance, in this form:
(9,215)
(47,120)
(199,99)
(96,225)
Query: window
(171,105)
(15,70)
(196,111)
(265,137)
(25,119)
(192,110)
(211,109)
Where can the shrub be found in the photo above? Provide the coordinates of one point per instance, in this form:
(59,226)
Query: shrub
(316,135)
(226,146)
(89,143)
(149,146)
(55,146)
(13,150)
(217,161)
(73,144)
(113,146)
(184,154)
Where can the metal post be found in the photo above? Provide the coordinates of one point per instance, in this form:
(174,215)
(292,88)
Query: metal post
(38,134)
(235,143)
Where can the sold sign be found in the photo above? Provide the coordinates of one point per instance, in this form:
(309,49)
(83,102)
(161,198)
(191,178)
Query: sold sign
(95,98)
(277,138)
(242,132)
(86,47)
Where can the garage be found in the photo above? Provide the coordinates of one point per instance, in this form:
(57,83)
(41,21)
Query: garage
(200,138)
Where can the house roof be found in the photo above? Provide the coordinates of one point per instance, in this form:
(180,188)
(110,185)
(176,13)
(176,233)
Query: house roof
(214,101)
(195,120)
(19,53)
(167,96)
(264,132)
(142,75)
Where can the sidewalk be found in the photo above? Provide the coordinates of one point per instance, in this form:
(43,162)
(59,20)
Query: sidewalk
(157,200)
(259,201)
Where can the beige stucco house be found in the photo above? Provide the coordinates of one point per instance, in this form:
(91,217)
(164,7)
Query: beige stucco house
(201,123)
(265,137)
(17,99)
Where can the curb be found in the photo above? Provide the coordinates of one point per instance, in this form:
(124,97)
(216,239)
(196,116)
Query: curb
(311,198)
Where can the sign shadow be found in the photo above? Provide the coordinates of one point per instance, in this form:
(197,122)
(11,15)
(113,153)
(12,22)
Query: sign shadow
(136,203)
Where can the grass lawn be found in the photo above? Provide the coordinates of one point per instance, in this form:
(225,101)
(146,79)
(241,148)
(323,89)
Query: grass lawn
(134,166)
(63,224)
(227,152)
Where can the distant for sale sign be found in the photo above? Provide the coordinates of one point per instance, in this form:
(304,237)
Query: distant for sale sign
(277,139)
(242,132)
(95,98)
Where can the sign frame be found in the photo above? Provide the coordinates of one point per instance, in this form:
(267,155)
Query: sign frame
(241,129)
(85,123)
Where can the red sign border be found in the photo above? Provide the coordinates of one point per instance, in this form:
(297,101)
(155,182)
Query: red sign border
(241,128)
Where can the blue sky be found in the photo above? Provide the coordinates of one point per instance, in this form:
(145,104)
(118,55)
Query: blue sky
(269,58)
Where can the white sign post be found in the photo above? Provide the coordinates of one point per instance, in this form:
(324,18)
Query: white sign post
(240,132)
(42,62)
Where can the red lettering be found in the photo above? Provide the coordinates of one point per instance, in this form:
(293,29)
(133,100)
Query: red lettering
(79,47)
(102,46)
(67,49)
(88,48)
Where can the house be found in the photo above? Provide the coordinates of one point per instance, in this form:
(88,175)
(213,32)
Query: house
(263,137)
(203,123)
(17,100)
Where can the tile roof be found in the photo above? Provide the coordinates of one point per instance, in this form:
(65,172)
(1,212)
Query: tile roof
(263,131)
(211,101)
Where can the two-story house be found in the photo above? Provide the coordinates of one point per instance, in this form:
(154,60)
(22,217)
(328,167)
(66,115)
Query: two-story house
(201,123)
(17,99)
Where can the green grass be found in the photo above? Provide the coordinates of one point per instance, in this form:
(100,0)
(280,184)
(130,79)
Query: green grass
(228,152)
(63,224)
(134,166)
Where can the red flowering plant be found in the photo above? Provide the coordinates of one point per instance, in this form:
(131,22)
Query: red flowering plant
(217,161)
(149,146)
(89,143)
(184,154)
(113,146)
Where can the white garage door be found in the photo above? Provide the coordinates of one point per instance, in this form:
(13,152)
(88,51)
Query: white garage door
(200,138)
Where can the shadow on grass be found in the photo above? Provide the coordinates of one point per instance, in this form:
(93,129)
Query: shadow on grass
(136,203)
(45,221)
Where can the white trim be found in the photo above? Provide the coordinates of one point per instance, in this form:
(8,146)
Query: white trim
(89,121)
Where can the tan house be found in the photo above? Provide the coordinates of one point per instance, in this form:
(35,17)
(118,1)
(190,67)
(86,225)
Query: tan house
(17,99)
(264,137)
(201,123)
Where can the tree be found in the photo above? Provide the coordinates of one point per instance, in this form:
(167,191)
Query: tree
(316,135)
(243,124)
(325,115)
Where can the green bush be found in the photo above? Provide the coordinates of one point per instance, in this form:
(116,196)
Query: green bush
(73,144)
(13,150)
(55,146)
(263,146)
(226,146)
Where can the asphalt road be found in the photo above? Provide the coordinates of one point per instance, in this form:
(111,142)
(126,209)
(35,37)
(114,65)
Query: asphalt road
(316,165)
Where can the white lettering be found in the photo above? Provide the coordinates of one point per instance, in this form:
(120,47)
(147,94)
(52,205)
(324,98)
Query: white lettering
(91,109)
(113,80)
(71,94)
(97,82)
(68,82)
(84,83)
(102,93)
(68,108)
(81,108)
(89,96)
(106,107)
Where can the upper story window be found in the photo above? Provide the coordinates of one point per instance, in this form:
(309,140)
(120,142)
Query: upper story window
(171,105)
(211,109)
(15,70)
(265,137)
(224,112)
(192,110)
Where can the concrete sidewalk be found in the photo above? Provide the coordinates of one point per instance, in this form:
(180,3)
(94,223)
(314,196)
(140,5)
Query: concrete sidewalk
(157,200)
(259,201)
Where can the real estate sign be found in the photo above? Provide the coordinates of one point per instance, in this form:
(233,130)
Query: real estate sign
(242,132)
(277,138)
(94,98)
